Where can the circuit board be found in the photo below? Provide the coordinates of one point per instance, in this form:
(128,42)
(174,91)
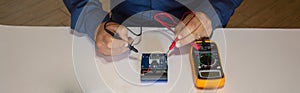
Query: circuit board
(154,67)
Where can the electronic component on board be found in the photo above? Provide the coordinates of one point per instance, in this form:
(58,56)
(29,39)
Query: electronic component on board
(154,67)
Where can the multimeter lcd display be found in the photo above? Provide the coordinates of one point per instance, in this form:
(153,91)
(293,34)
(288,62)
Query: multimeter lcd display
(210,74)
(154,67)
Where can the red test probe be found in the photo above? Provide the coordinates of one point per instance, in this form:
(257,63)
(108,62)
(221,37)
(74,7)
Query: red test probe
(161,15)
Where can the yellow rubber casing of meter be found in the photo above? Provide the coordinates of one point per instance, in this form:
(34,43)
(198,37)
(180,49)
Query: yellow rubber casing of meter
(207,83)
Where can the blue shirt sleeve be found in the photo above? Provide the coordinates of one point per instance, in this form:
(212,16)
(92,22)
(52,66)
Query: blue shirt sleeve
(225,9)
(86,15)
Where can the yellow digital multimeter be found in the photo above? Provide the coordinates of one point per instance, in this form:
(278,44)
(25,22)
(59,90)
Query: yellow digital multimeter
(206,65)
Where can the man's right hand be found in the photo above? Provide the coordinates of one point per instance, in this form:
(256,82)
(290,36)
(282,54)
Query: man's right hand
(108,45)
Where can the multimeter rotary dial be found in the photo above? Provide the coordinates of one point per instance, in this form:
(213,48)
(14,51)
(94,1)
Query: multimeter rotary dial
(207,60)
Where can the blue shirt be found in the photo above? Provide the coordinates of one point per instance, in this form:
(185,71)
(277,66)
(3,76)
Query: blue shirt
(86,15)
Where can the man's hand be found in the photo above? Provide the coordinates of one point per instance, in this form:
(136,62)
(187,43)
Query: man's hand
(192,28)
(108,45)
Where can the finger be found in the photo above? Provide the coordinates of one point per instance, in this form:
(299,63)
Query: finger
(100,39)
(184,41)
(103,35)
(182,24)
(116,43)
(200,32)
(106,39)
(123,32)
(110,42)
(189,28)
(110,51)
(104,42)
(191,37)
(118,29)
(179,27)
(118,51)
(103,49)
(206,32)
(112,26)
(206,22)
(121,43)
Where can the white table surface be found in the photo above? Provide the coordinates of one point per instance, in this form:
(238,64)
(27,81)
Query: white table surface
(36,60)
(50,60)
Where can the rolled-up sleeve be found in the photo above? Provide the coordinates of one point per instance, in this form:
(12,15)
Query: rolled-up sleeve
(86,15)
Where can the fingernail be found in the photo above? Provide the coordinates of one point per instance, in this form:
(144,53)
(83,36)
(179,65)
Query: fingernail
(178,44)
(125,45)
